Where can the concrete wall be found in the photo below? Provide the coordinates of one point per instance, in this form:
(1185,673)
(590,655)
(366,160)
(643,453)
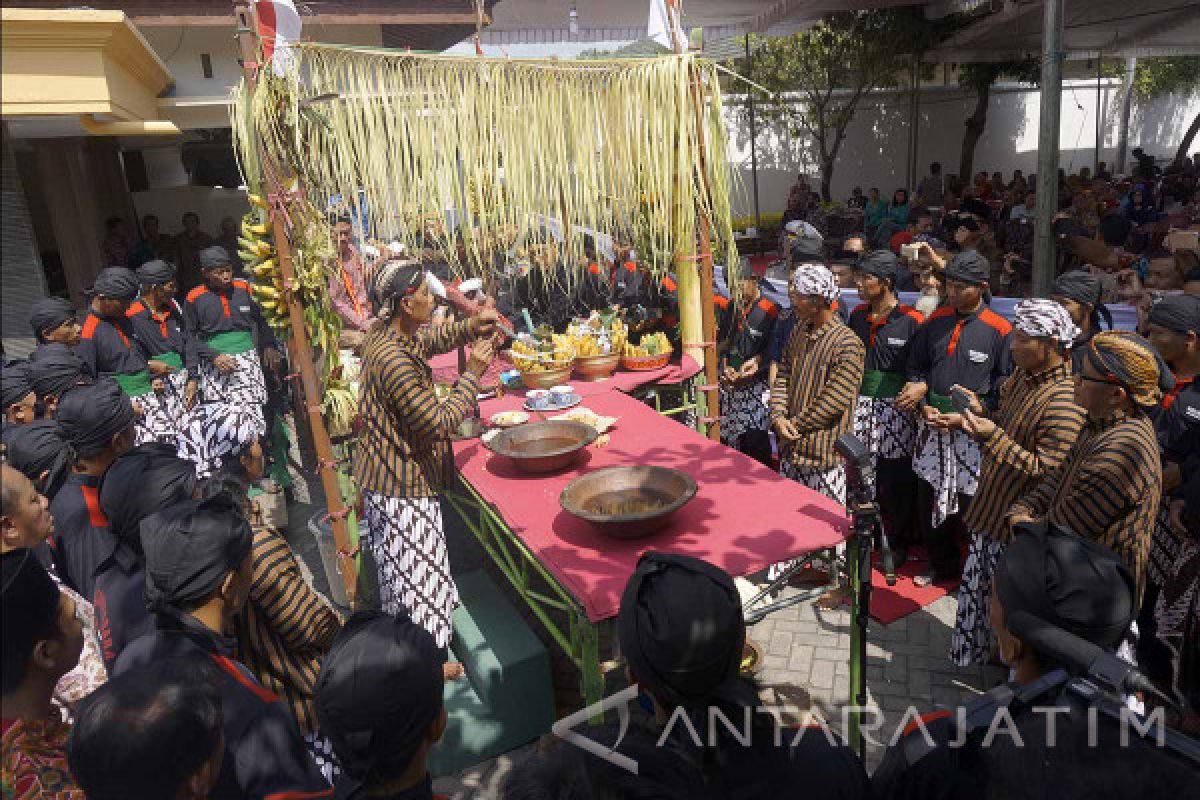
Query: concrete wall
(875,149)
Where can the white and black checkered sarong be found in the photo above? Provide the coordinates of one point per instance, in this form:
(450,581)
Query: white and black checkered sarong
(829,482)
(245,387)
(321,750)
(973,638)
(949,462)
(885,430)
(405,536)
(743,409)
(163,415)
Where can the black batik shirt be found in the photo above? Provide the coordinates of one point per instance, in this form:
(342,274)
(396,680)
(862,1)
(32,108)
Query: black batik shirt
(971,350)
(889,339)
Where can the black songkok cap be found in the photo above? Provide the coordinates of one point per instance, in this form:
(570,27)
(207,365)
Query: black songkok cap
(147,478)
(379,690)
(91,414)
(682,631)
(155,273)
(48,313)
(14,384)
(881,264)
(55,370)
(1068,582)
(969,267)
(36,448)
(1178,312)
(119,283)
(190,548)
(213,257)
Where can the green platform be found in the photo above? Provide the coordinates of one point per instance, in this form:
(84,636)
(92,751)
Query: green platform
(507,698)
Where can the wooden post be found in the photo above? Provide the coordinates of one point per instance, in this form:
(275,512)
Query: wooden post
(705,264)
(298,346)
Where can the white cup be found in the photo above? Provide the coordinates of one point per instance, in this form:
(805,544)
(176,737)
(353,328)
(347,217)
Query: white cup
(560,394)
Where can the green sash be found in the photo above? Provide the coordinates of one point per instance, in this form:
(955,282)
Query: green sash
(170,358)
(231,343)
(881,384)
(135,385)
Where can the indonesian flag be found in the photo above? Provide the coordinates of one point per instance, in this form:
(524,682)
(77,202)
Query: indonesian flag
(278,25)
(663,25)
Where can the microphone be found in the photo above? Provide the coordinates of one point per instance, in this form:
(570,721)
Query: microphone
(1079,655)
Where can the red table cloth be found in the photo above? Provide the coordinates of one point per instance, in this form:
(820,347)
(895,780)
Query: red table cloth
(743,518)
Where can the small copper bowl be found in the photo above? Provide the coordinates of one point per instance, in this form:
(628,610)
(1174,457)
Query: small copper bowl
(595,368)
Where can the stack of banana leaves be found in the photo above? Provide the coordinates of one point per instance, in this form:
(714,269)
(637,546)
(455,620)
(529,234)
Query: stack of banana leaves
(312,253)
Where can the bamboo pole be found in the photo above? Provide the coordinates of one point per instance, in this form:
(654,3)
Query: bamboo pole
(704,262)
(298,346)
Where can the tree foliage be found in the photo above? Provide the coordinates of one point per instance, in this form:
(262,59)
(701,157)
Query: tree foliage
(979,78)
(818,77)
(1155,77)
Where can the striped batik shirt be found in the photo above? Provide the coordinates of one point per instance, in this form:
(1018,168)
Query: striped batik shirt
(404,449)
(1037,421)
(286,628)
(817,388)
(1107,489)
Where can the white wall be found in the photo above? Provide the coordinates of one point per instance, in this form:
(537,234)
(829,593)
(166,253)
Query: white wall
(876,146)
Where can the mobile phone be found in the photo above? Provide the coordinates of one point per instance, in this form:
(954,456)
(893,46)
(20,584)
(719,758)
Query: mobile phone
(909,251)
(960,400)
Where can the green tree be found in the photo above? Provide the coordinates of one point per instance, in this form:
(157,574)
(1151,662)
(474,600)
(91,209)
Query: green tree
(979,79)
(818,77)
(1156,77)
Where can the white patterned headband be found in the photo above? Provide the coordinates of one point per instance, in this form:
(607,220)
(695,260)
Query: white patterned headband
(814,279)
(1040,317)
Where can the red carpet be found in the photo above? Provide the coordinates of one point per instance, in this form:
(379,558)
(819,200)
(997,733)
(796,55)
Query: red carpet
(890,603)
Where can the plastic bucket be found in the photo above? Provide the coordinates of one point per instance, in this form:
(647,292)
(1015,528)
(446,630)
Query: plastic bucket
(322,531)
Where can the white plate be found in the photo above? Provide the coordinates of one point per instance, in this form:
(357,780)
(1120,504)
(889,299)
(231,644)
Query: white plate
(508,419)
(570,402)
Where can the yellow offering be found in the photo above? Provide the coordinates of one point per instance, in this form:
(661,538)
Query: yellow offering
(651,344)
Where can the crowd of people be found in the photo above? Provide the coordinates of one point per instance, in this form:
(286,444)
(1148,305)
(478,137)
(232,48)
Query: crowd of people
(123,248)
(160,641)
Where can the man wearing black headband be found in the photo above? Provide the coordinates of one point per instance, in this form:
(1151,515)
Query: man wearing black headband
(379,700)
(39,452)
(109,347)
(963,343)
(52,373)
(42,640)
(744,335)
(53,322)
(158,324)
(97,422)
(886,327)
(198,574)
(1173,327)
(1079,292)
(1060,585)
(227,328)
(17,398)
(403,459)
(682,633)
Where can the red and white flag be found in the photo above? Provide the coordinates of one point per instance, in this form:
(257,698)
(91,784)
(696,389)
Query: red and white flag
(278,26)
(664,26)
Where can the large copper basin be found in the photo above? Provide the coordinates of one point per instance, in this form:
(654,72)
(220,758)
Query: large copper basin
(628,502)
(548,446)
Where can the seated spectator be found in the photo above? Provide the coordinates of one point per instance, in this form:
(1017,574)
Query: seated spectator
(199,569)
(682,632)
(154,732)
(42,640)
(874,211)
(1165,271)
(1026,210)
(1102,173)
(857,200)
(379,700)
(1019,184)
(1046,580)
(897,210)
(1114,229)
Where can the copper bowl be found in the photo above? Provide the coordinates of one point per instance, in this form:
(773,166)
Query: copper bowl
(538,447)
(546,378)
(594,368)
(628,502)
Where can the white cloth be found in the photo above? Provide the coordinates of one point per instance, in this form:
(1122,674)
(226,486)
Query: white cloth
(949,462)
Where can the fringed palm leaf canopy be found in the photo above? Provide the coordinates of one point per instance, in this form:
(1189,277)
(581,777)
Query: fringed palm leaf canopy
(485,161)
